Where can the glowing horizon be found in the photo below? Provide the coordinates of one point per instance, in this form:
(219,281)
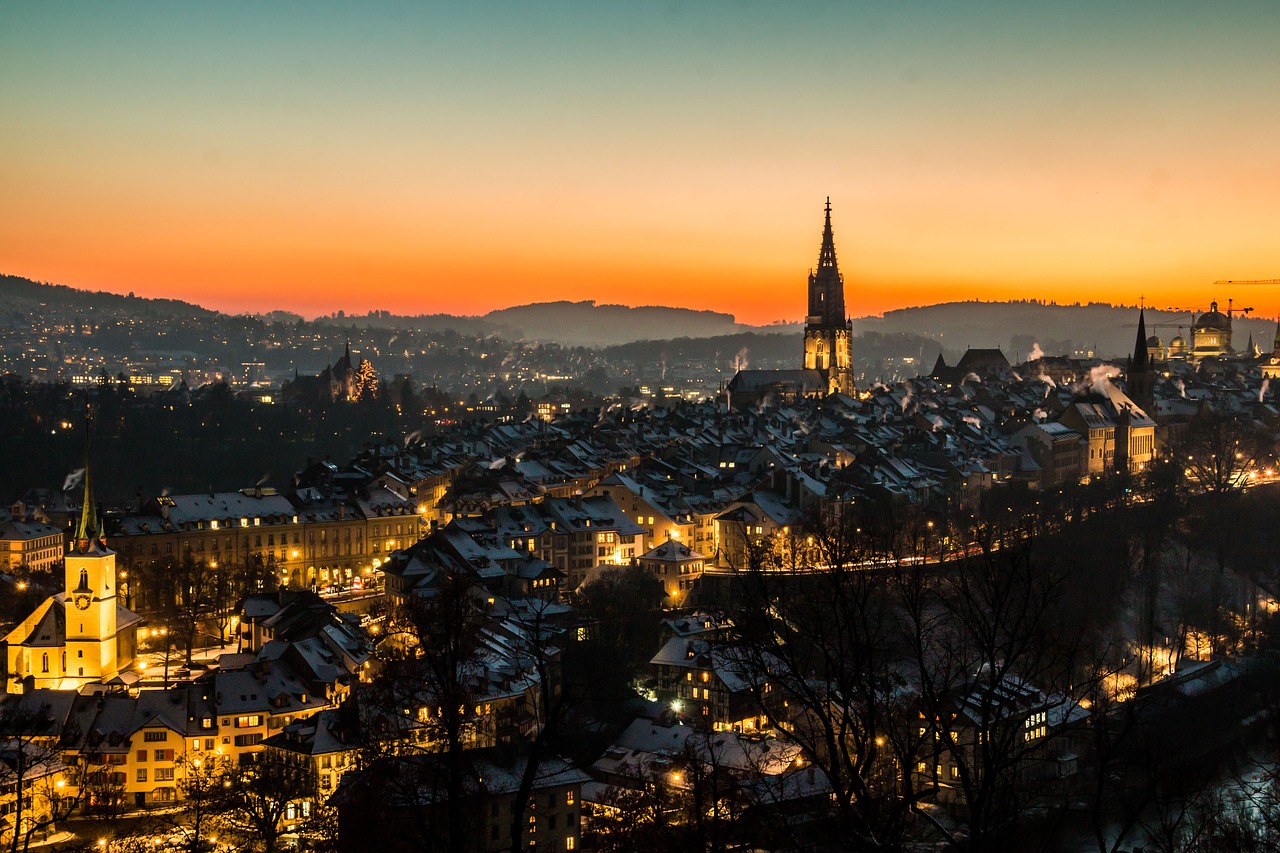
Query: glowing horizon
(431,159)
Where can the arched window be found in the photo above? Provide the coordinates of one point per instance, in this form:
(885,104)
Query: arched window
(84,579)
(44,662)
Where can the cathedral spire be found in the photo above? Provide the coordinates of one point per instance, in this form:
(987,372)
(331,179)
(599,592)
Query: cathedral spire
(89,529)
(826,287)
(827,254)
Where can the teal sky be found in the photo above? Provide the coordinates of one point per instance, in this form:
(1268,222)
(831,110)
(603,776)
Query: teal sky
(463,157)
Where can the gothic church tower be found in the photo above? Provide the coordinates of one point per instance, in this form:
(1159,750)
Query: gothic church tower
(828,333)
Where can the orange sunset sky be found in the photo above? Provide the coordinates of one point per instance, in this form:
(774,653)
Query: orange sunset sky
(458,158)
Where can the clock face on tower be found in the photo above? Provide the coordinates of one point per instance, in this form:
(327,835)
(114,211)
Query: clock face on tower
(82,602)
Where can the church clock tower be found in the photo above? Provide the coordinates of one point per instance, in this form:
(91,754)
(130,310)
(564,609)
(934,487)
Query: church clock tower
(828,333)
(90,601)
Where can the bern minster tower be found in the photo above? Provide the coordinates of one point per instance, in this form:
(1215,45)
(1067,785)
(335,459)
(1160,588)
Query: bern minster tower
(828,332)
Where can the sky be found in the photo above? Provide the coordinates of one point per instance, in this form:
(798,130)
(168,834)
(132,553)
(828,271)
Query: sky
(463,157)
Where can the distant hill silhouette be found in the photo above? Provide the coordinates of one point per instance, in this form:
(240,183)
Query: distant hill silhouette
(1016,327)
(594,325)
(17,293)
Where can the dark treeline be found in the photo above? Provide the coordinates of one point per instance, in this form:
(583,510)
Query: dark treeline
(217,440)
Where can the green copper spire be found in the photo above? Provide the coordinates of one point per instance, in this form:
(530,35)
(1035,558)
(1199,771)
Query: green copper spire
(90,527)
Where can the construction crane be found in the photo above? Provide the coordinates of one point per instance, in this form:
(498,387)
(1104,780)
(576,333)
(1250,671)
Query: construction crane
(1190,312)
(1257,282)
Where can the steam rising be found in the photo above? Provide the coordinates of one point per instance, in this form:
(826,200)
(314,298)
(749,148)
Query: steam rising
(1036,353)
(73,479)
(1100,376)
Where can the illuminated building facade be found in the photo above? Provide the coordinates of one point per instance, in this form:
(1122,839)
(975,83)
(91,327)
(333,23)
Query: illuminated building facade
(316,539)
(828,334)
(28,541)
(1270,365)
(83,634)
(1211,334)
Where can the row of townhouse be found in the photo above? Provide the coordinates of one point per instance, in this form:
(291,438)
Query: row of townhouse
(137,749)
(315,539)
(136,746)
(534,549)
(28,540)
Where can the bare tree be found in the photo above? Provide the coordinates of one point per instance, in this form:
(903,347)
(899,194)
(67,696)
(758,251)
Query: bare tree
(203,797)
(422,701)
(830,639)
(257,796)
(34,773)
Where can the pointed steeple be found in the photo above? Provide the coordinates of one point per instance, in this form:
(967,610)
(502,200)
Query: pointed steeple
(826,287)
(1139,380)
(1141,358)
(827,254)
(89,530)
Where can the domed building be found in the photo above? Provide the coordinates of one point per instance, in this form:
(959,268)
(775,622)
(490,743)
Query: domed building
(1270,364)
(1211,334)
(1178,346)
(1155,349)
